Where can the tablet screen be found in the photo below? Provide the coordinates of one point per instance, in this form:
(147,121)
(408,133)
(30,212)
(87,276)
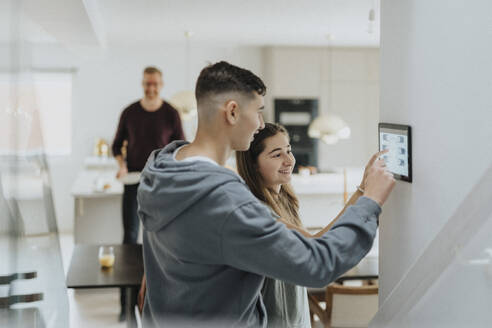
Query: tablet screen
(397,139)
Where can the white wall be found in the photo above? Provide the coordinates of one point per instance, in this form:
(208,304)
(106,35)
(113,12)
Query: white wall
(436,75)
(106,82)
(353,76)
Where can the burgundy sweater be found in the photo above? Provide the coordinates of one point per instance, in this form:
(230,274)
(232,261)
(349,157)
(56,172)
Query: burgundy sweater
(146,131)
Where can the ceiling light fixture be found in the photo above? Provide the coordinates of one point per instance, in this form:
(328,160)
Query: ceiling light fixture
(184,101)
(329,127)
(371,18)
(370,24)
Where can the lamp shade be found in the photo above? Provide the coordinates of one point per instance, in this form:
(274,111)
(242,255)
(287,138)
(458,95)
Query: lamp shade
(185,103)
(329,128)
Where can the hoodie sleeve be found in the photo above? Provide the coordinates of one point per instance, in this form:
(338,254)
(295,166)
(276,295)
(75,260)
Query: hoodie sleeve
(253,241)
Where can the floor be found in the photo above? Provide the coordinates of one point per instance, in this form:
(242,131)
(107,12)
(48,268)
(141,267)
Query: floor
(90,307)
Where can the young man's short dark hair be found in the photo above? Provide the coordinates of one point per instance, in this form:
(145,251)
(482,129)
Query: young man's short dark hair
(223,77)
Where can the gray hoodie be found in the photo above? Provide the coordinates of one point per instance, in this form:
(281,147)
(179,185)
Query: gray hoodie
(208,244)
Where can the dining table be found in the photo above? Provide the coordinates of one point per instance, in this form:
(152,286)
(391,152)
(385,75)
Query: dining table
(127,271)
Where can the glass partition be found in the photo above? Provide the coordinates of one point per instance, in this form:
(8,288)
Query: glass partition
(32,281)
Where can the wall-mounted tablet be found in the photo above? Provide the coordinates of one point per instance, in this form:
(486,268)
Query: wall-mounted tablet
(398,139)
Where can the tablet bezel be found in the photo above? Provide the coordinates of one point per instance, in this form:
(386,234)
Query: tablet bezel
(406,129)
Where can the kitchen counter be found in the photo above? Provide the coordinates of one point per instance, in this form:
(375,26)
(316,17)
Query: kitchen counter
(98,210)
(98,202)
(321,195)
(326,183)
(89,183)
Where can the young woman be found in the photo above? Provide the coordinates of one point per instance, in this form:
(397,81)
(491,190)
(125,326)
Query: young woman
(267,168)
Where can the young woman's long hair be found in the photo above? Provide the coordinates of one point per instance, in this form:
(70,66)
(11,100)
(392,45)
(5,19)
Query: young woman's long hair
(285,203)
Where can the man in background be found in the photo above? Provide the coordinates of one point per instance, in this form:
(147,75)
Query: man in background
(147,124)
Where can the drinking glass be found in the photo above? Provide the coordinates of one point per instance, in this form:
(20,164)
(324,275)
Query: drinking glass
(106,256)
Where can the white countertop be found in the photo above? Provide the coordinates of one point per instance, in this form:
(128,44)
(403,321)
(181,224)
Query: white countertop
(87,182)
(100,162)
(326,183)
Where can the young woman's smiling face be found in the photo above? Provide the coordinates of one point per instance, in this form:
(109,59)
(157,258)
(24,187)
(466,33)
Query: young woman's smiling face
(276,162)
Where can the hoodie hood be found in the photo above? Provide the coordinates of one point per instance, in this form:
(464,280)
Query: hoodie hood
(163,194)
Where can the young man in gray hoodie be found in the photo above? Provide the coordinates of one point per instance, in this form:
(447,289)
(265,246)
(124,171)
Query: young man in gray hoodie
(208,242)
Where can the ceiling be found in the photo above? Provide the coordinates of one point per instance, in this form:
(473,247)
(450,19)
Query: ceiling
(110,23)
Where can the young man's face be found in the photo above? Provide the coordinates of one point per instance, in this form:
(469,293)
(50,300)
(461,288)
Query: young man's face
(249,123)
(152,85)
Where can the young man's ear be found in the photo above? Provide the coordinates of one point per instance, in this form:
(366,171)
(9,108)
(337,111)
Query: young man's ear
(231,112)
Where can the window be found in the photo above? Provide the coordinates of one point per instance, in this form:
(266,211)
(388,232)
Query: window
(36,113)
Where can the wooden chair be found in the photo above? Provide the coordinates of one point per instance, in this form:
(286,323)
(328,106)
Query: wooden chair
(345,306)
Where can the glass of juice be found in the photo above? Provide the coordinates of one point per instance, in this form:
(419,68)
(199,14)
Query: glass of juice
(106,256)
